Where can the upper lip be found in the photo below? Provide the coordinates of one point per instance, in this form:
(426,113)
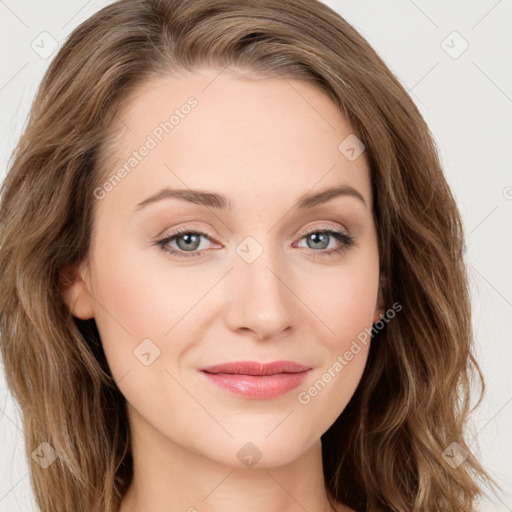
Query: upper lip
(256,368)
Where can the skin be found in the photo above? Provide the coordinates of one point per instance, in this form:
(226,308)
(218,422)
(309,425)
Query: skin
(263,143)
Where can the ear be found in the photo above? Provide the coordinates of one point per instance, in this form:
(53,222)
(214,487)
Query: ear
(379,309)
(74,287)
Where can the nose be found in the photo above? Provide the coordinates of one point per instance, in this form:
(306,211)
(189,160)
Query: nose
(261,300)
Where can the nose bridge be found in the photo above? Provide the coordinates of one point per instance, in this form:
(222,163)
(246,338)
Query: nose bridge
(261,300)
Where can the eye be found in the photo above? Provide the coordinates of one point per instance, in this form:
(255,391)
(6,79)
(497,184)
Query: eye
(318,239)
(189,241)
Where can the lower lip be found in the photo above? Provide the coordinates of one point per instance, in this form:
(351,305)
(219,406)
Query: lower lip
(255,386)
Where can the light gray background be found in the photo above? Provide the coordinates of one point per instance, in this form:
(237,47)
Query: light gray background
(467,102)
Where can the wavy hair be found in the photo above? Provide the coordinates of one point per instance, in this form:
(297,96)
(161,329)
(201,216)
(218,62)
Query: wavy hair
(385,451)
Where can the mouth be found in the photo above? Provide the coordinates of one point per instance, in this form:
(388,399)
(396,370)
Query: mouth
(252,379)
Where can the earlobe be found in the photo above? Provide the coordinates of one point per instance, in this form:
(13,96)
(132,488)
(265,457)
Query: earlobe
(379,310)
(377,315)
(74,288)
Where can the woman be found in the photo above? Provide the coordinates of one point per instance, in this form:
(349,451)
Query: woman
(232,273)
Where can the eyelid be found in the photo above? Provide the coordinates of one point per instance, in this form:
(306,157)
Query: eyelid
(205,231)
(184,229)
(320,226)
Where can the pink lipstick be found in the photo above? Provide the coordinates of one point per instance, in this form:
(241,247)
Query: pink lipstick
(252,379)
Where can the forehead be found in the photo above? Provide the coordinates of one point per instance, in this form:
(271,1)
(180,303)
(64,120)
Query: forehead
(232,131)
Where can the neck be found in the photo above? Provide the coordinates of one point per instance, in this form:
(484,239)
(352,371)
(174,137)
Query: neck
(168,477)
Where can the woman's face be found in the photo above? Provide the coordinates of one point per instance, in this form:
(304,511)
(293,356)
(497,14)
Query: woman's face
(262,281)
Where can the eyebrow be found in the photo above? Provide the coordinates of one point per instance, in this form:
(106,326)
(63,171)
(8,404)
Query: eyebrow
(215,200)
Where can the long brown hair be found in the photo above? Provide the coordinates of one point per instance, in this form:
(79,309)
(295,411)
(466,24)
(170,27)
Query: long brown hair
(387,450)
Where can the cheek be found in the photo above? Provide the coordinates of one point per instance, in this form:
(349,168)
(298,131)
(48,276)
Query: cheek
(145,306)
(346,309)
(344,299)
(346,312)
(133,305)
(352,307)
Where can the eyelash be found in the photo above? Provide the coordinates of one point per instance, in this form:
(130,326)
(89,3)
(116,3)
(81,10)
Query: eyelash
(346,241)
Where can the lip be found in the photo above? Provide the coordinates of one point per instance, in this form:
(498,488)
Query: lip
(256,368)
(252,379)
